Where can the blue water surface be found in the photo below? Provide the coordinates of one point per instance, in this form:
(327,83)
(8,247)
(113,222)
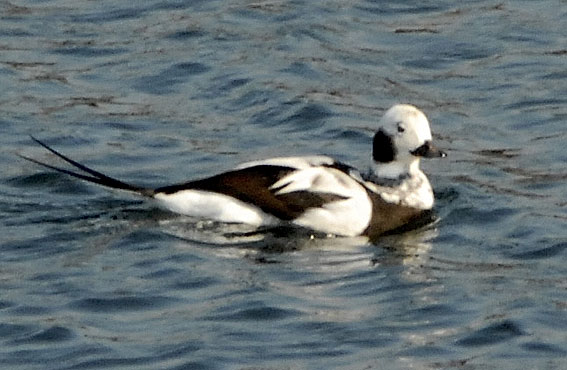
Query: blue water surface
(160,91)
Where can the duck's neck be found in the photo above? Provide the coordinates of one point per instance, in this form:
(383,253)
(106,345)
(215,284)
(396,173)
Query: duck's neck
(403,183)
(396,170)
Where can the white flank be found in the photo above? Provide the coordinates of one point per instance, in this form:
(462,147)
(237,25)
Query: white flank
(349,217)
(214,206)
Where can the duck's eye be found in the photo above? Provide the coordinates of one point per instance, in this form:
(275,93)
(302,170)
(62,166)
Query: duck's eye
(401,129)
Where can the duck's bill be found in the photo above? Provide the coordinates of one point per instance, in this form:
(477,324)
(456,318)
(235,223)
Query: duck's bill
(428,150)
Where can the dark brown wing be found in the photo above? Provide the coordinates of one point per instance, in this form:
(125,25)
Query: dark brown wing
(253,185)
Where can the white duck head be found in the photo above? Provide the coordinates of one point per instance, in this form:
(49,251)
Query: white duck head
(403,138)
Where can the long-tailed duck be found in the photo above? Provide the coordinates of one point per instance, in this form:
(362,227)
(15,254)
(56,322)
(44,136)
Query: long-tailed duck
(315,192)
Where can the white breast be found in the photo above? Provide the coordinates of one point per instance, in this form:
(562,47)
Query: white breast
(414,192)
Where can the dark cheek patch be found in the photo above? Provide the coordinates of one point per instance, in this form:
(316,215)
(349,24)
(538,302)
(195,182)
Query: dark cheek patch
(383,150)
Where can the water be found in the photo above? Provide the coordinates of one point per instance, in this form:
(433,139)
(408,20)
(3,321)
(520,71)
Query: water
(156,92)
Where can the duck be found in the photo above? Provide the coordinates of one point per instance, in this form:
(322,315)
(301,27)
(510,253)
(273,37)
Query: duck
(315,192)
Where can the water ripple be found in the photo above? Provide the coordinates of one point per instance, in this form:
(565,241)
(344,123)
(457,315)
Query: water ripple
(494,333)
(104,305)
(164,82)
(50,335)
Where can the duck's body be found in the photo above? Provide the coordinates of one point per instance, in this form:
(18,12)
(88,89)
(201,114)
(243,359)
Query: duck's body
(315,192)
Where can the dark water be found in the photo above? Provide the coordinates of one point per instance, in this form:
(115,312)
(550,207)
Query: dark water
(156,92)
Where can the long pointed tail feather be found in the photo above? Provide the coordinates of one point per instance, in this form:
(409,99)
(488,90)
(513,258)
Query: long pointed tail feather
(93,175)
